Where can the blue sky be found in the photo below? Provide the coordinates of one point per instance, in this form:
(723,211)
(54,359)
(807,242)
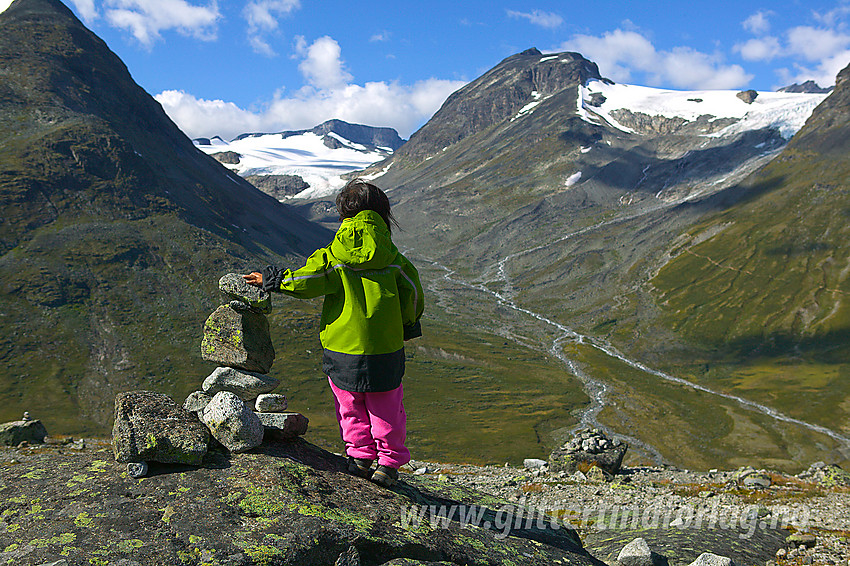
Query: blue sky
(226,67)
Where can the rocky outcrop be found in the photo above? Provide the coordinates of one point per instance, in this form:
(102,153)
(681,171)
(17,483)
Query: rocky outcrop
(748,96)
(279,186)
(287,504)
(643,123)
(227,157)
(152,427)
(808,86)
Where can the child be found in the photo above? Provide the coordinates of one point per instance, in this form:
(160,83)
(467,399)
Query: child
(373,301)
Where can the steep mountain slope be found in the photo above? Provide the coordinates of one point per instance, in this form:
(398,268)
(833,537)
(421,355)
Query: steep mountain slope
(552,211)
(114,227)
(764,283)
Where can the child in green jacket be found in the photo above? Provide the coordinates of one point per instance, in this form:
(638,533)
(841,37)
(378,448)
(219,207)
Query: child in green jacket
(373,302)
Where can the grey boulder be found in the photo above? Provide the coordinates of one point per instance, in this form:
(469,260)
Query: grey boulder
(271,403)
(152,427)
(232,423)
(246,385)
(709,559)
(636,553)
(15,432)
(238,339)
(196,401)
(234,286)
(280,426)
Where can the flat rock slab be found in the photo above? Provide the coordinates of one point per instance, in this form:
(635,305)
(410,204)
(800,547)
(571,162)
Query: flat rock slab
(234,286)
(288,503)
(15,432)
(238,339)
(283,425)
(232,422)
(245,384)
(151,427)
(271,403)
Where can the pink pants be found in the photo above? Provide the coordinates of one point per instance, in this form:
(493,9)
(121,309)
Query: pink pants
(373,425)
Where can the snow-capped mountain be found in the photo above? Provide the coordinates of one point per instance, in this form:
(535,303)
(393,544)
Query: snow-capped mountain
(718,113)
(318,157)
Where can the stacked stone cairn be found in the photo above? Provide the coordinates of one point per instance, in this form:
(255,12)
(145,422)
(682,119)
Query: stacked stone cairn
(591,452)
(235,407)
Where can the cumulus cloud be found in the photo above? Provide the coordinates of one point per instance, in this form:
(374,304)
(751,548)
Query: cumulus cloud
(328,93)
(322,66)
(262,18)
(760,49)
(403,107)
(758,23)
(816,44)
(623,54)
(146,19)
(548,20)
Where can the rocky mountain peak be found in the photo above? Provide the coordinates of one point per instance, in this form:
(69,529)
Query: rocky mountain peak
(808,86)
(497,96)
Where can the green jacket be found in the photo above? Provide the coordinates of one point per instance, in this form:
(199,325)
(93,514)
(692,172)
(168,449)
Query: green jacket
(373,300)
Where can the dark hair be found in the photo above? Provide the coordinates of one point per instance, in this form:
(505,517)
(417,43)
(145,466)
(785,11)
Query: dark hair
(358,195)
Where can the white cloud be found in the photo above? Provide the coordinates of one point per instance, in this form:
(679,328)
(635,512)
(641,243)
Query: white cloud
(262,17)
(328,93)
(322,66)
(382,36)
(403,107)
(86,9)
(145,19)
(621,54)
(816,44)
(760,49)
(823,73)
(758,23)
(540,18)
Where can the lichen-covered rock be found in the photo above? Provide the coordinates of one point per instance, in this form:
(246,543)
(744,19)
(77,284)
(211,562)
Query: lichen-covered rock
(152,427)
(196,401)
(15,432)
(288,504)
(271,403)
(246,385)
(232,422)
(283,425)
(234,286)
(238,339)
(588,449)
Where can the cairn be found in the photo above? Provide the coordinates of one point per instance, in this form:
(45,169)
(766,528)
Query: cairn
(236,405)
(590,450)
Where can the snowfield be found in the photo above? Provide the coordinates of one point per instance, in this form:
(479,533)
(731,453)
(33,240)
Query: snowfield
(304,155)
(786,112)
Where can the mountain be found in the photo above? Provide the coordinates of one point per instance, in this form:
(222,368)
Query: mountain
(115,228)
(808,86)
(563,211)
(304,163)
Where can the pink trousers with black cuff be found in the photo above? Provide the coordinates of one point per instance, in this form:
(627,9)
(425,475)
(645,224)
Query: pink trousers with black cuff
(373,425)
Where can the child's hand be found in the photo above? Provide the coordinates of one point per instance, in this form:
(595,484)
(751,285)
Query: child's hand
(254,278)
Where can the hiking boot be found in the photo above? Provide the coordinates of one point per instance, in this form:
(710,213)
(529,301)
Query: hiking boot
(360,467)
(385,476)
